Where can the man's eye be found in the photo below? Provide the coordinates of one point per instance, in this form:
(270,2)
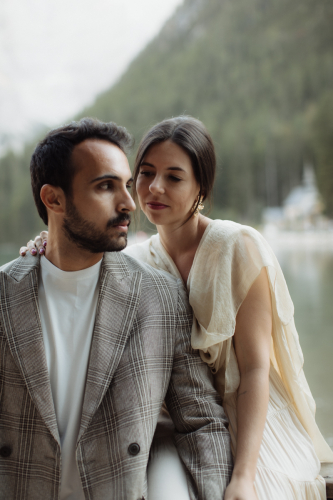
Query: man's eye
(106,186)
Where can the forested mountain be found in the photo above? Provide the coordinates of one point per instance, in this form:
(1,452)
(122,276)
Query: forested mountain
(258,73)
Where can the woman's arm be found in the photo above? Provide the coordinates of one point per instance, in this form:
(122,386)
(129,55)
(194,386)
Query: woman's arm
(252,342)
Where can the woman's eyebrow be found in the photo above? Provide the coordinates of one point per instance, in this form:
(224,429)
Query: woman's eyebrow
(147,164)
(176,168)
(169,168)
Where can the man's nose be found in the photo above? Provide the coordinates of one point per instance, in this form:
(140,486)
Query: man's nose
(127,203)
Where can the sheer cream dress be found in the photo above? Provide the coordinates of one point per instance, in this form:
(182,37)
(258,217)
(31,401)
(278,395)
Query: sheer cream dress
(229,258)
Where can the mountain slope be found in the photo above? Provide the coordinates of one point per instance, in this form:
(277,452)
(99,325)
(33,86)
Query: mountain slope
(254,71)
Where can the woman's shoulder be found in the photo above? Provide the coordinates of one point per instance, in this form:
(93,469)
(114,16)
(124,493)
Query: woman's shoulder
(237,248)
(241,255)
(229,233)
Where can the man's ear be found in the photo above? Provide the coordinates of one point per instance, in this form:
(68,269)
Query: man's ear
(53,198)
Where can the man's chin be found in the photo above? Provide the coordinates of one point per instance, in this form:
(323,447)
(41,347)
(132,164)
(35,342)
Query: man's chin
(86,237)
(118,244)
(97,245)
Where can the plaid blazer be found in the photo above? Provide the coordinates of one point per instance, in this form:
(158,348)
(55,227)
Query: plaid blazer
(140,355)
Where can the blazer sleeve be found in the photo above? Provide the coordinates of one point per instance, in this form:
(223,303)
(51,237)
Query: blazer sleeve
(202,437)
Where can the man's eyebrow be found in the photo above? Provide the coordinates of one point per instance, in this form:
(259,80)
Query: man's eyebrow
(169,168)
(111,177)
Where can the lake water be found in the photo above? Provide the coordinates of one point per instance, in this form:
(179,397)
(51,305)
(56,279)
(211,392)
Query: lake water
(307,263)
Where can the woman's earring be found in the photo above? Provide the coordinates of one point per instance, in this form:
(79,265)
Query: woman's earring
(197,207)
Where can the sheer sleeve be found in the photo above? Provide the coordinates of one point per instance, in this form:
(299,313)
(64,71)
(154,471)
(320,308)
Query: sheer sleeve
(228,261)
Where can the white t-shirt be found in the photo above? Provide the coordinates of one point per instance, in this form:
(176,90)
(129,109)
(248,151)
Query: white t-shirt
(67,304)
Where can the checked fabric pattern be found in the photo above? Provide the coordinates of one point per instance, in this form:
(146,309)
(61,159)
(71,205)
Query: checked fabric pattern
(140,355)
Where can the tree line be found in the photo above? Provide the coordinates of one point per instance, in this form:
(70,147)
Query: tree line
(258,73)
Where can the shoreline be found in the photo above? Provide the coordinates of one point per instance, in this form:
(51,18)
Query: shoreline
(310,240)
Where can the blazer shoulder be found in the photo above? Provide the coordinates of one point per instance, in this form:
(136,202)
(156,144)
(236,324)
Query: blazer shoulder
(135,265)
(169,287)
(5,268)
(20,267)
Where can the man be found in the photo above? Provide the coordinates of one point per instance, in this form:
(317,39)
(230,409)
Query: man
(92,342)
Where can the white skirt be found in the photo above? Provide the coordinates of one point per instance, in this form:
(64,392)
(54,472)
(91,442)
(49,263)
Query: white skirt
(288,467)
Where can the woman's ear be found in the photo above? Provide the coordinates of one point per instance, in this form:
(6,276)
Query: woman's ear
(53,198)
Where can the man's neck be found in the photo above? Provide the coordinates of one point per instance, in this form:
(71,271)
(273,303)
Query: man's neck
(66,255)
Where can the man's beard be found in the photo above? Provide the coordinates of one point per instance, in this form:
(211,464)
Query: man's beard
(85,235)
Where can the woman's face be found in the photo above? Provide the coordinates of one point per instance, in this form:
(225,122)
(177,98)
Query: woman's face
(166,186)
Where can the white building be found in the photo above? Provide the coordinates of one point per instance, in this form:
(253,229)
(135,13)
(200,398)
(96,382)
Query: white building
(302,209)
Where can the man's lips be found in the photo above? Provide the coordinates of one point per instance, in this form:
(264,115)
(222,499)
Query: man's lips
(155,205)
(122,225)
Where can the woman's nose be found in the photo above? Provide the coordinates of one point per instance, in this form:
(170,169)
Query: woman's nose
(156,187)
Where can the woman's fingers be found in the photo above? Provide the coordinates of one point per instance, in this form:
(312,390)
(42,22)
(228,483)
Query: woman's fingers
(38,243)
(35,246)
(31,247)
(23,251)
(44,235)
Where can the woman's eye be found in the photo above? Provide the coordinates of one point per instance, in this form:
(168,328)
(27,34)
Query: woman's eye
(146,173)
(175,179)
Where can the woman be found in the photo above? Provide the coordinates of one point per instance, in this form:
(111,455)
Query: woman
(244,324)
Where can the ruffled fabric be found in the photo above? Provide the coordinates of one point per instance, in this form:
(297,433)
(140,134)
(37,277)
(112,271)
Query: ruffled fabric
(227,262)
(288,467)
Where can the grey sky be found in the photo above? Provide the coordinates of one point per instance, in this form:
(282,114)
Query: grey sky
(56,55)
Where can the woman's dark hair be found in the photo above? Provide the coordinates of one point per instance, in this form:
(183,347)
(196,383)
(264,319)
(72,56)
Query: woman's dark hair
(192,136)
(51,160)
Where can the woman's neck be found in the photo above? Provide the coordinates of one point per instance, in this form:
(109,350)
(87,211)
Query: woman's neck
(182,242)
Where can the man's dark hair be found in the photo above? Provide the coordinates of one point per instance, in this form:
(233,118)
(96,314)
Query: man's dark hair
(51,161)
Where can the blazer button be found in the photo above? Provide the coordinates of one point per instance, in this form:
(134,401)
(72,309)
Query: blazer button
(133,449)
(5,451)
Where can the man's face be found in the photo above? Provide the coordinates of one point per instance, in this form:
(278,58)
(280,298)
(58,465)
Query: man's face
(97,214)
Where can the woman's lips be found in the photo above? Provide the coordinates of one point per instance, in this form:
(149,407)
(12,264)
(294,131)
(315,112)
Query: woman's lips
(156,206)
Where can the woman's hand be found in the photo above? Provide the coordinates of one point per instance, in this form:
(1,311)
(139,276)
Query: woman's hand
(36,246)
(240,489)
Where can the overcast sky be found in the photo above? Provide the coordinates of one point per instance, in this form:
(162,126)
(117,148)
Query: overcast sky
(56,55)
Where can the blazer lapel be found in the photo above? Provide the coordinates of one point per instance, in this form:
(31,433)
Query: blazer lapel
(19,313)
(117,305)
